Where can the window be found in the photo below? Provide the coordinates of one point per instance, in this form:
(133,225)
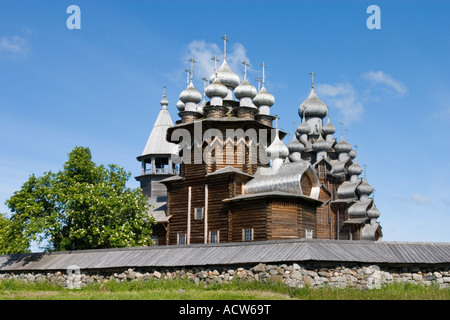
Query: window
(309,233)
(214,237)
(181,238)
(198,213)
(247,234)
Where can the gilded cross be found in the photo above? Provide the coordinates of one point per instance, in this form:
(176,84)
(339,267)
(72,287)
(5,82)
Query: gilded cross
(312,79)
(192,61)
(215,62)
(245,63)
(225,40)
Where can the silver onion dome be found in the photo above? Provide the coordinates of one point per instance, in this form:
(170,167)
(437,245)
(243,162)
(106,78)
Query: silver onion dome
(164,102)
(296,146)
(342,146)
(245,90)
(373,212)
(304,128)
(216,89)
(190,94)
(226,76)
(313,106)
(321,145)
(352,154)
(364,188)
(328,128)
(277,149)
(354,169)
(180,105)
(264,98)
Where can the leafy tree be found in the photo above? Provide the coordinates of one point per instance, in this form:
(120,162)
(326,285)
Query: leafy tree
(84,206)
(12,240)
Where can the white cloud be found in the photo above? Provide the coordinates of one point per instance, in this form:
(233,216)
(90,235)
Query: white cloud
(14,47)
(385,80)
(203,51)
(420,199)
(343,97)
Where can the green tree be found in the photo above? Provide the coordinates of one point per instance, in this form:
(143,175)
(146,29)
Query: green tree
(83,206)
(12,240)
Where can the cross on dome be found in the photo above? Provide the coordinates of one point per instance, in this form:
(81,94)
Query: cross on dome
(225,40)
(215,62)
(245,63)
(192,61)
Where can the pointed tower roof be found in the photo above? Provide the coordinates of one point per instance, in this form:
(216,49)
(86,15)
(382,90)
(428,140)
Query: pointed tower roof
(157,143)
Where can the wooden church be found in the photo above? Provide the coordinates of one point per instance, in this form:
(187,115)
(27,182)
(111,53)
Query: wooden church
(223,174)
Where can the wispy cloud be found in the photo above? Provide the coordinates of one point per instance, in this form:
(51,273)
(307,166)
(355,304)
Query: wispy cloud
(386,81)
(420,199)
(343,97)
(203,51)
(14,47)
(415,198)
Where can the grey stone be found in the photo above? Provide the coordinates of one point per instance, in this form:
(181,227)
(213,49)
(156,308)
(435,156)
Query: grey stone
(309,281)
(261,267)
(296,275)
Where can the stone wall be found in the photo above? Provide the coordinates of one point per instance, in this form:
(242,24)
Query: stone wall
(292,275)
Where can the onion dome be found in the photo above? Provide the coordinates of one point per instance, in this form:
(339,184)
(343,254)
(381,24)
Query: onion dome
(352,154)
(216,89)
(342,146)
(164,103)
(264,98)
(180,105)
(226,76)
(277,149)
(321,145)
(313,106)
(190,94)
(245,90)
(373,212)
(364,189)
(296,146)
(354,169)
(328,128)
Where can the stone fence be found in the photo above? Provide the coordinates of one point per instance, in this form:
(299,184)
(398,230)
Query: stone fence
(292,275)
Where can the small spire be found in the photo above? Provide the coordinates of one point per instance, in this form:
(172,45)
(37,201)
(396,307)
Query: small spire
(164,94)
(276,121)
(342,129)
(215,62)
(263,65)
(259,83)
(204,86)
(192,61)
(245,63)
(312,79)
(188,71)
(225,40)
(356,148)
(365,172)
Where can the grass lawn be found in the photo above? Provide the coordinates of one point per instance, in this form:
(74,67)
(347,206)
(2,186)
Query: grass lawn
(186,290)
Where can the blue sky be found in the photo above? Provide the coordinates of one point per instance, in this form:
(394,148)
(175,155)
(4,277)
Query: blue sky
(100,86)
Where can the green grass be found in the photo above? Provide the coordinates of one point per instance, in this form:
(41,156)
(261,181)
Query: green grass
(186,290)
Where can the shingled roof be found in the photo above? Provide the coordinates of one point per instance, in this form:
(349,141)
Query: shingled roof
(298,250)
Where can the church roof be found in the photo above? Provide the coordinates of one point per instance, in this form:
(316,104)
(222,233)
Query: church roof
(157,143)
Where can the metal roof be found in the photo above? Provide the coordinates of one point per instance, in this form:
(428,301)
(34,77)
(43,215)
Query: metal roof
(157,143)
(296,250)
